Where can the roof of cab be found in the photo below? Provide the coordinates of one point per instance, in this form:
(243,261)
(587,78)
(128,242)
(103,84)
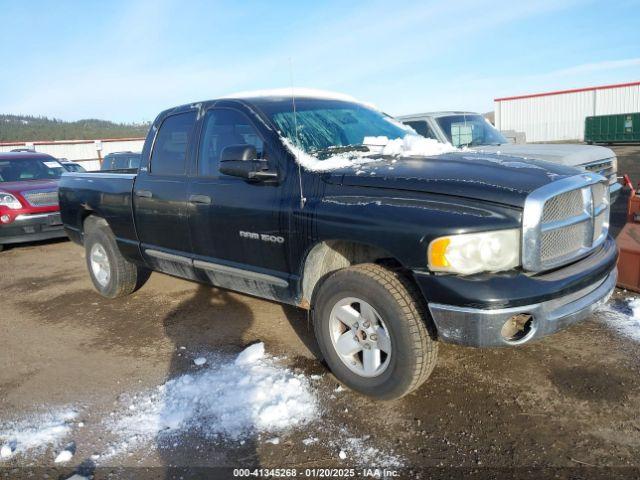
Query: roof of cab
(257,97)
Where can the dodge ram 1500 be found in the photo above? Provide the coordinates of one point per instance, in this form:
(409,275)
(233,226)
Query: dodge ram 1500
(327,204)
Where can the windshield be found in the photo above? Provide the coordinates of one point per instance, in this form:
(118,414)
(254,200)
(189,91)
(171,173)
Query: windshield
(22,169)
(470,130)
(325,127)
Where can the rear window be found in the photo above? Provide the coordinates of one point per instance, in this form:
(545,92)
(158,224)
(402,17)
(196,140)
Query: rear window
(121,161)
(24,169)
(169,155)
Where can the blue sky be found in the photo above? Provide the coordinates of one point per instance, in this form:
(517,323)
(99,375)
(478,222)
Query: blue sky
(127,60)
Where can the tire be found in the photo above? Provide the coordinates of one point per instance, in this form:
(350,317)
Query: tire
(398,310)
(122,277)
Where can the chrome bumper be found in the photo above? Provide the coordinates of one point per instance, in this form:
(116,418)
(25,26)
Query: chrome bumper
(482,328)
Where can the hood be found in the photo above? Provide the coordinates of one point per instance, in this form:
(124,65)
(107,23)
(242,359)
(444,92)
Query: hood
(28,185)
(562,153)
(493,178)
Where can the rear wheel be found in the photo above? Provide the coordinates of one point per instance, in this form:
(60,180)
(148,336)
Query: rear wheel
(112,275)
(372,327)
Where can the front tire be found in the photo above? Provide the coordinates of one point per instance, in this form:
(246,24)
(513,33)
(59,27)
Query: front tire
(374,331)
(112,275)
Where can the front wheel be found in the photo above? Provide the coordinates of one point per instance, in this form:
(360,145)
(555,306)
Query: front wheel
(112,275)
(373,330)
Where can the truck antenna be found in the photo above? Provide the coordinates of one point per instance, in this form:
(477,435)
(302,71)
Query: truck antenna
(303,200)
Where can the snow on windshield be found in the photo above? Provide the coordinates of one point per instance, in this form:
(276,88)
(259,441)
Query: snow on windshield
(410,145)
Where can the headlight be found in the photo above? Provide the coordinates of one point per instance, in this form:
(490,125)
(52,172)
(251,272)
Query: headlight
(475,252)
(8,200)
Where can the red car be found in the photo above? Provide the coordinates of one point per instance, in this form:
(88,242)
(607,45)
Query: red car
(29,207)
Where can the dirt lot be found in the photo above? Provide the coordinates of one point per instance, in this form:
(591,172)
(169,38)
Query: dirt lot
(565,406)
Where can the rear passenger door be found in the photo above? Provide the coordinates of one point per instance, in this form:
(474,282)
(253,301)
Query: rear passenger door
(160,196)
(238,227)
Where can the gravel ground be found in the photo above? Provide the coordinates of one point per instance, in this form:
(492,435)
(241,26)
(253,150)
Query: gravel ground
(566,406)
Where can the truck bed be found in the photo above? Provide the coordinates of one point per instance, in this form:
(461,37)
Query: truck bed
(106,193)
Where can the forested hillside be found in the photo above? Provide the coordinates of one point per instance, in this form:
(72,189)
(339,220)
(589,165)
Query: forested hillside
(23,128)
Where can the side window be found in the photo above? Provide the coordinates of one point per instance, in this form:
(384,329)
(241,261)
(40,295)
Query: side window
(169,156)
(224,127)
(422,127)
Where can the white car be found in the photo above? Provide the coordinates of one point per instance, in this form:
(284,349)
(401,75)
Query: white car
(472,130)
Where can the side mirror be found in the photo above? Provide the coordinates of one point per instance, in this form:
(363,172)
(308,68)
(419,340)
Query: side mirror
(238,152)
(240,161)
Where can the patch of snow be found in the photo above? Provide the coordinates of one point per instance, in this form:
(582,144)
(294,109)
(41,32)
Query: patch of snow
(624,318)
(64,456)
(310,441)
(371,456)
(233,400)
(339,388)
(408,146)
(38,431)
(200,361)
(6,451)
(274,441)
(342,454)
(415,145)
(251,354)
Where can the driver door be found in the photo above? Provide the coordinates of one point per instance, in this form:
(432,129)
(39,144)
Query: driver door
(237,227)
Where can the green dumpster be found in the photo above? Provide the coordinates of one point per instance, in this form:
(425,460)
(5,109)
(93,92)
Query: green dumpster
(620,128)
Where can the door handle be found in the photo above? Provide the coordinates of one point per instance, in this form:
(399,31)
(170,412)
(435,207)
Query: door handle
(200,199)
(144,193)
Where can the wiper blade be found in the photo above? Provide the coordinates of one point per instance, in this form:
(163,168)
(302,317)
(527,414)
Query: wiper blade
(343,149)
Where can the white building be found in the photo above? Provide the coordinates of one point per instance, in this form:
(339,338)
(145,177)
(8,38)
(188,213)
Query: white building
(560,115)
(87,153)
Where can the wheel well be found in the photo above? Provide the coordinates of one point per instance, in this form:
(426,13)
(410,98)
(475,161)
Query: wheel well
(90,220)
(332,255)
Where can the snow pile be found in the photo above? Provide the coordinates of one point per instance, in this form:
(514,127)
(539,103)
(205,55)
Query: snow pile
(35,433)
(231,400)
(409,145)
(415,145)
(623,318)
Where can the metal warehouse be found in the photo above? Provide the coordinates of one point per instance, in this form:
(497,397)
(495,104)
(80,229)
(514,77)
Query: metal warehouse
(560,115)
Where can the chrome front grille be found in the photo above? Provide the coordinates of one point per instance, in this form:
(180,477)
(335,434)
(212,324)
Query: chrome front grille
(39,198)
(606,168)
(564,220)
(562,206)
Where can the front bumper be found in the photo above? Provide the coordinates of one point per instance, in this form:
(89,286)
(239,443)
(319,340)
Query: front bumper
(28,228)
(554,300)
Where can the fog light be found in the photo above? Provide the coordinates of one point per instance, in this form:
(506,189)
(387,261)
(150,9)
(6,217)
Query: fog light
(5,218)
(517,327)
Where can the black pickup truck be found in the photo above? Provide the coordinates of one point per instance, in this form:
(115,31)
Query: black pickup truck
(301,200)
